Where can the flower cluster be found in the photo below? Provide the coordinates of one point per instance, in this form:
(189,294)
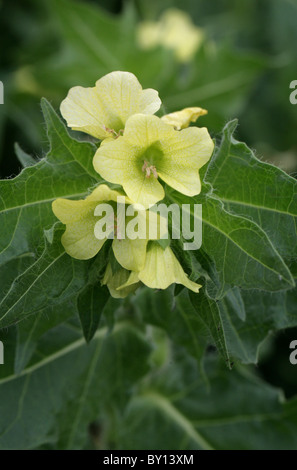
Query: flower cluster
(174,31)
(139,152)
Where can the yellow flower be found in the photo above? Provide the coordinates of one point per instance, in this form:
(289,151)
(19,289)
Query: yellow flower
(81,217)
(115,280)
(182,119)
(103,110)
(151,149)
(174,31)
(161,269)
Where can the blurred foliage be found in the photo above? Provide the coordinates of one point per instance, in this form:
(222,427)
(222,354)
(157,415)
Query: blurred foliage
(243,69)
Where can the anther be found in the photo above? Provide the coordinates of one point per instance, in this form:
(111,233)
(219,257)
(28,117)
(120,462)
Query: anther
(149,169)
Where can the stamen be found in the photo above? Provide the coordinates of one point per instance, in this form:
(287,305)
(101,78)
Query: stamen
(149,169)
(144,166)
(154,172)
(112,131)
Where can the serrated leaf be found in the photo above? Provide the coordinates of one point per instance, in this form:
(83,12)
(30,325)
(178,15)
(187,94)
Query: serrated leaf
(24,158)
(265,313)
(25,203)
(256,190)
(244,319)
(228,237)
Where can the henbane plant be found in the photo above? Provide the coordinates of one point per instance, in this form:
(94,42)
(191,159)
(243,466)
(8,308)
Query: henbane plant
(136,150)
(65,258)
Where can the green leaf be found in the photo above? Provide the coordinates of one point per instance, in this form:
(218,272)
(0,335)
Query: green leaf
(256,190)
(53,278)
(209,312)
(265,313)
(243,320)
(24,158)
(237,411)
(176,316)
(67,384)
(25,203)
(243,254)
(90,304)
(30,330)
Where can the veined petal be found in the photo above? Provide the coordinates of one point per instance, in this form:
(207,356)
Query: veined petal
(150,149)
(83,111)
(115,280)
(133,279)
(105,193)
(130,253)
(161,270)
(103,110)
(184,154)
(79,239)
(182,119)
(143,190)
(118,162)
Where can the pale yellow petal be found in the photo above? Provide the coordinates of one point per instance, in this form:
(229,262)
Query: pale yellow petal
(175,31)
(180,34)
(105,193)
(149,102)
(130,253)
(83,111)
(118,162)
(149,34)
(163,269)
(143,190)
(174,156)
(184,154)
(103,110)
(115,280)
(177,155)
(144,131)
(182,119)
(132,280)
(78,239)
